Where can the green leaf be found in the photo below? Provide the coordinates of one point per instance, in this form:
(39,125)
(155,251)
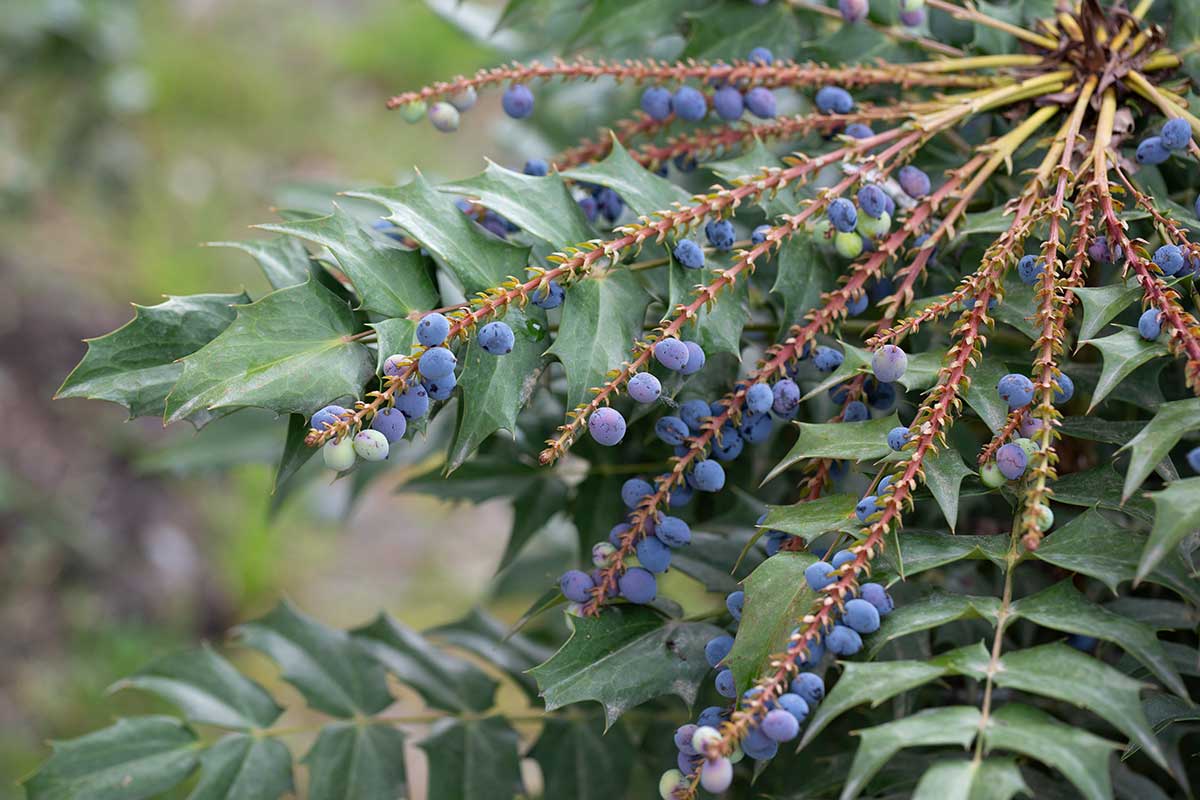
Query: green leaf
(283,260)
(1063,673)
(716,328)
(352,760)
(925,550)
(944,475)
(1018,309)
(1154,442)
(207,689)
(580,761)
(1102,304)
(1094,546)
(808,519)
(859,441)
(752,161)
(952,725)
(1100,487)
(1158,614)
(492,390)
(294,456)
(601,318)
(1096,429)
(1079,755)
(388,279)
(244,767)
(1123,352)
(982,396)
(532,511)
(442,680)
(1178,514)
(990,779)
(393,337)
(931,611)
(802,276)
(1063,608)
(491,640)
(478,260)
(624,657)
(777,596)
(869,682)
(542,206)
(287,352)
(922,370)
(132,759)
(642,190)
(709,558)
(331,670)
(473,760)
(137,364)
(728,31)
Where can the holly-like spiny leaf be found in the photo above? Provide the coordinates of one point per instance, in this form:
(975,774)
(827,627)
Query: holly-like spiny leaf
(641,189)
(809,519)
(1177,514)
(777,596)
(1102,304)
(858,441)
(1146,450)
(931,611)
(540,205)
(1079,755)
(1123,352)
(950,725)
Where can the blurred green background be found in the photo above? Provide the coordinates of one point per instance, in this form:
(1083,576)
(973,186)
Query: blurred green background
(130,133)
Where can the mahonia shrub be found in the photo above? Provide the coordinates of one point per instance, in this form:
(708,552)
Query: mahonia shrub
(864,329)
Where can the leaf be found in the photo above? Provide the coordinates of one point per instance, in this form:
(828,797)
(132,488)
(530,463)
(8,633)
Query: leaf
(1063,608)
(858,441)
(287,352)
(490,639)
(624,657)
(132,759)
(925,550)
(808,519)
(600,318)
(207,689)
(802,276)
(294,456)
(728,32)
(931,611)
(283,260)
(532,511)
(1102,304)
(1100,487)
(1079,755)
(137,364)
(709,558)
(333,672)
(1123,352)
(944,475)
(442,680)
(777,596)
(478,260)
(1018,310)
(952,725)
(990,779)
(922,370)
(1177,514)
(1092,545)
(580,761)
(542,206)
(1096,429)
(352,760)
(718,326)
(388,279)
(1158,614)
(393,337)
(473,760)
(1154,442)
(642,190)
(244,767)
(1063,673)
(752,161)
(982,396)
(869,682)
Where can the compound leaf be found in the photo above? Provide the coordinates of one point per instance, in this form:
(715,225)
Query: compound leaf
(241,766)
(581,760)
(352,760)
(540,205)
(859,441)
(473,760)
(1123,352)
(952,725)
(1079,755)
(1177,514)
(1154,442)
(777,596)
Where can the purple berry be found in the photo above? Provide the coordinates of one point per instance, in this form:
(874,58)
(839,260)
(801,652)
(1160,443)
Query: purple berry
(638,586)
(819,575)
(780,725)
(1150,324)
(708,476)
(576,586)
(497,338)
(862,616)
(914,181)
(759,398)
(720,234)
(689,104)
(671,353)
(1016,390)
(656,102)
(843,641)
(1193,459)
(826,359)
(735,602)
(413,402)
(1152,151)
(809,687)
(793,704)
(1029,269)
(866,507)
(854,10)
(912,18)
(834,100)
(856,411)
(877,596)
(517,101)
(437,362)
(759,234)
(537,168)
(859,130)
(393,365)
(889,363)
(672,430)
(549,296)
(1064,392)
(694,413)
(1176,134)
(673,532)
(897,437)
(444,117)
(759,746)
(653,554)
(761,55)
(756,427)
(760,101)
(728,104)
(644,387)
(1169,259)
(633,490)
(726,686)
(689,254)
(843,215)
(785,397)
(716,649)
(716,775)
(391,423)
(872,200)
(433,329)
(329,415)
(728,446)
(607,426)
(857,304)
(696,359)
(1012,460)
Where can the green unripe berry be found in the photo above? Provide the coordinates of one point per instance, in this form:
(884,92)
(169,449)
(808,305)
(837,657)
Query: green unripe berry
(991,475)
(1028,445)
(371,445)
(1043,517)
(873,228)
(339,455)
(703,737)
(413,112)
(668,783)
(820,230)
(575,609)
(848,245)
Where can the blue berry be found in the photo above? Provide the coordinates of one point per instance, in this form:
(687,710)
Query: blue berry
(761,55)
(371,445)
(710,717)
(433,329)
(759,746)
(856,411)
(694,413)
(464,99)
(610,204)
(759,398)
(826,359)
(843,215)
(726,686)
(413,402)
(774,542)
(861,616)
(1016,390)
(672,430)
(497,338)
(1029,269)
(689,254)
(1176,134)
(1151,151)
(689,104)
(842,557)
(760,101)
(589,208)
(1169,259)
(1065,390)
(735,602)
(517,101)
(1193,459)
(843,641)
(391,423)
(793,704)
(889,363)
(633,490)
(866,507)
(576,586)
(444,117)
(656,102)
(819,575)
(329,415)
(1099,250)
(872,200)
(437,362)
(393,365)
(617,532)
(729,445)
(673,531)
(637,585)
(854,10)
(684,162)
(653,554)
(671,353)
(857,304)
(759,234)
(877,596)
(883,485)
(898,437)
(708,476)
(549,296)
(696,359)
(716,649)
(859,130)
(813,656)
(720,234)
(914,181)
(727,102)
(780,725)
(440,388)
(680,496)
(716,775)
(644,387)
(683,739)
(1150,324)
(756,427)
(1012,460)
(809,687)
(607,426)
(537,167)
(785,397)
(834,100)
